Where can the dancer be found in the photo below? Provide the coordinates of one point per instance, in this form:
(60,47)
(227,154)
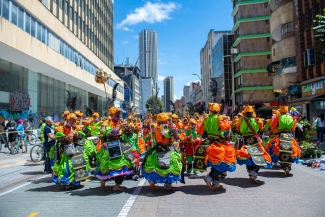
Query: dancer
(163,164)
(283,147)
(252,152)
(215,151)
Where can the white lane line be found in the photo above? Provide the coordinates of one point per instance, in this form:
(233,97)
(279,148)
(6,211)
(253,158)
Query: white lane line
(129,203)
(23,185)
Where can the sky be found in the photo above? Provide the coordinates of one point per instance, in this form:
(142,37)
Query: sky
(182,29)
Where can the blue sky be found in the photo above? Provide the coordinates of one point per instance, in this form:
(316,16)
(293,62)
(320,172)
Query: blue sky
(182,28)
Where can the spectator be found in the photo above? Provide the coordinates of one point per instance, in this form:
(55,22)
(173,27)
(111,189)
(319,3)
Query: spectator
(49,141)
(11,126)
(20,129)
(320,128)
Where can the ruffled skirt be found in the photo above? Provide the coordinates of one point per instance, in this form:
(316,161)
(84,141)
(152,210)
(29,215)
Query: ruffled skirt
(222,157)
(151,171)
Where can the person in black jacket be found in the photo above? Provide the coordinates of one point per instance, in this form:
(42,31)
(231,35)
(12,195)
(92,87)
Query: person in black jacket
(11,126)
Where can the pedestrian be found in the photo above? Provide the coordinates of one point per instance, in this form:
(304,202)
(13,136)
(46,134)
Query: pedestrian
(320,128)
(11,126)
(21,134)
(49,141)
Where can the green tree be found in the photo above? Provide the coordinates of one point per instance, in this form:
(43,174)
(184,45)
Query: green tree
(178,113)
(319,29)
(155,105)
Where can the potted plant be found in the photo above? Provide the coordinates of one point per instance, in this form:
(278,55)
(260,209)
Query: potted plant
(313,153)
(319,153)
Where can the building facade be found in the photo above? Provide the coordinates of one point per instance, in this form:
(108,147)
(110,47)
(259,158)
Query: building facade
(148,90)
(310,65)
(168,93)
(221,67)
(252,38)
(206,62)
(186,93)
(46,62)
(132,87)
(148,54)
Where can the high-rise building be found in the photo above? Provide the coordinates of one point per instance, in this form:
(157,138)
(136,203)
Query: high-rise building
(148,90)
(50,51)
(253,84)
(206,62)
(221,67)
(148,54)
(186,93)
(168,92)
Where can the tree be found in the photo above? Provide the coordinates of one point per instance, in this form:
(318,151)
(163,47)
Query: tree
(319,29)
(178,113)
(154,104)
(213,89)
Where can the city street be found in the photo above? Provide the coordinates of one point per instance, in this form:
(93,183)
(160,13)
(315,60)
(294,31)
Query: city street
(26,191)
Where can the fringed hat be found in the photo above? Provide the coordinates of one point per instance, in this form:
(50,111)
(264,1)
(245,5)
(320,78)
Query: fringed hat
(96,114)
(79,113)
(72,116)
(114,110)
(65,114)
(283,109)
(240,114)
(175,116)
(193,121)
(248,109)
(214,107)
(275,112)
(163,117)
(59,129)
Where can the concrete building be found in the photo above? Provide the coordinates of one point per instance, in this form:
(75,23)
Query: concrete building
(206,62)
(221,67)
(310,65)
(132,88)
(186,93)
(194,87)
(252,37)
(282,22)
(168,92)
(148,90)
(148,51)
(180,104)
(50,48)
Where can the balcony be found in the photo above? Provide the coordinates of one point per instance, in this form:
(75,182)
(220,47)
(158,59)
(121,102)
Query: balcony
(242,37)
(249,19)
(246,2)
(240,55)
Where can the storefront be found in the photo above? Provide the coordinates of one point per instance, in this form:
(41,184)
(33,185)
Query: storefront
(312,102)
(23,91)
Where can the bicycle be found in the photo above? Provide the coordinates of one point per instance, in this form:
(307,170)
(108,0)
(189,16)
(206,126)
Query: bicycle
(16,145)
(32,138)
(4,140)
(37,153)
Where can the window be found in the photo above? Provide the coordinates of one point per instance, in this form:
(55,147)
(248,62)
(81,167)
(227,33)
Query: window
(267,39)
(0,6)
(20,18)
(310,57)
(44,35)
(60,3)
(75,18)
(70,13)
(39,31)
(266,21)
(32,27)
(268,56)
(266,4)
(13,13)
(27,23)
(5,9)
(66,7)
(288,27)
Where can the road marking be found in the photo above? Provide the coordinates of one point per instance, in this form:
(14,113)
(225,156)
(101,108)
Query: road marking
(33,214)
(23,185)
(129,203)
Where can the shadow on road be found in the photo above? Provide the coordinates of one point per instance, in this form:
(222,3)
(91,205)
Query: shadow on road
(241,182)
(33,173)
(54,188)
(100,192)
(274,174)
(201,190)
(43,180)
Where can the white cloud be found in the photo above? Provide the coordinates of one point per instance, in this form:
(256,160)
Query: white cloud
(127,29)
(150,13)
(161,78)
(189,83)
(175,97)
(125,42)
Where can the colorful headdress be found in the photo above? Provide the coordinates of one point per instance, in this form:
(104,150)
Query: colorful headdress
(114,110)
(283,109)
(65,113)
(193,121)
(214,107)
(72,116)
(240,114)
(275,112)
(96,114)
(163,117)
(248,108)
(79,113)
(59,129)
(175,116)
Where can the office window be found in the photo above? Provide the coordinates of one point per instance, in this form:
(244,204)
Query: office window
(0,6)
(5,9)
(310,57)
(27,23)
(32,27)
(13,13)
(266,21)
(39,31)
(70,13)
(20,18)
(60,3)
(75,18)
(44,35)
(66,7)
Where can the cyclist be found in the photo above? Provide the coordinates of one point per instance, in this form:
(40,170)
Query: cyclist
(20,129)
(11,126)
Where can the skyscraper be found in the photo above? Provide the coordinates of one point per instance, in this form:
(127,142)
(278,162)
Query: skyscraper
(148,54)
(168,92)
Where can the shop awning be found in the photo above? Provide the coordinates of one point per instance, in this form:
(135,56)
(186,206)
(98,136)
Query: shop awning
(306,100)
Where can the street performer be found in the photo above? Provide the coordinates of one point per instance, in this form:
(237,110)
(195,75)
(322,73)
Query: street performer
(252,152)
(215,151)
(283,147)
(163,164)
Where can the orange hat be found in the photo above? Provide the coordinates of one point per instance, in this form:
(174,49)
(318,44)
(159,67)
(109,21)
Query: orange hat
(72,116)
(175,116)
(114,110)
(248,108)
(79,113)
(96,114)
(66,112)
(214,107)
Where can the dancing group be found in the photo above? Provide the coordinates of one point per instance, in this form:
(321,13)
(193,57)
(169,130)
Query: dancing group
(163,147)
